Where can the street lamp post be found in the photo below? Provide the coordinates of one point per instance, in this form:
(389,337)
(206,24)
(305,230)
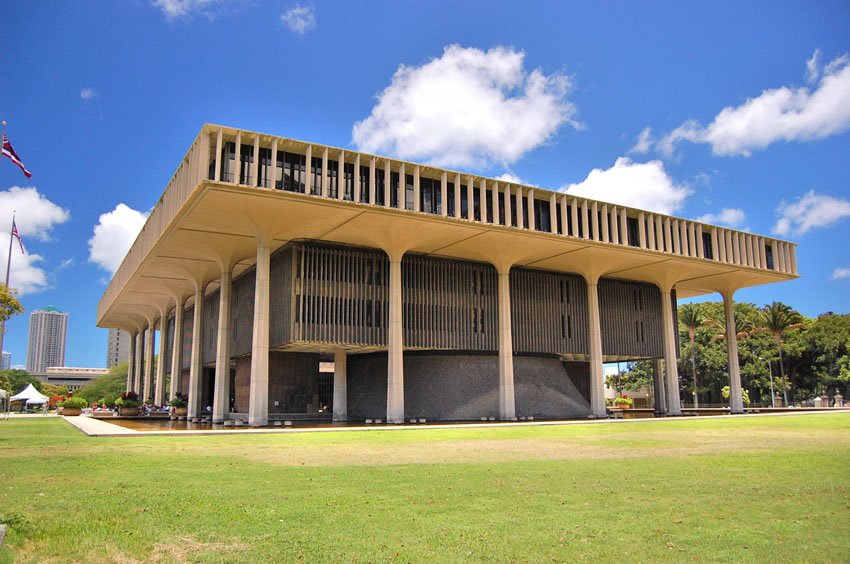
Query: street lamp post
(770,372)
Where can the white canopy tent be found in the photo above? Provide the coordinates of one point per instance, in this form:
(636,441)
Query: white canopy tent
(4,404)
(30,396)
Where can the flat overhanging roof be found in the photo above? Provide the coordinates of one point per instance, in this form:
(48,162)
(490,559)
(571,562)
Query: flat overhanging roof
(200,225)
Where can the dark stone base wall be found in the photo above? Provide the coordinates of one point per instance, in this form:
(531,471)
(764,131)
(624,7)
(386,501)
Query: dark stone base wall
(453,387)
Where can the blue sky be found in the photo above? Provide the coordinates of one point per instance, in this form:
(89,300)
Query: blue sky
(740,110)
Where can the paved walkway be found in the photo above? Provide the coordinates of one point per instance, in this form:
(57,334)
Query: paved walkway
(101,428)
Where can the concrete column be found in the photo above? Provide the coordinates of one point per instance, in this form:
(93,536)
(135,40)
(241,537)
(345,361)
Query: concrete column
(255,165)
(482,198)
(237,159)
(308,170)
(395,344)
(195,365)
(668,235)
(507,400)
(340,412)
(565,223)
(594,221)
(356,189)
(218,163)
(402,188)
(675,236)
(779,259)
(661,238)
(221,391)
(470,199)
(520,221)
(585,225)
(444,194)
(692,244)
(792,259)
(137,371)
(177,348)
(457,195)
(700,244)
(494,197)
(736,248)
(373,186)
(553,213)
(272,174)
(532,222)
(149,338)
(324,176)
(508,206)
(417,198)
(159,390)
(716,247)
(574,216)
(649,226)
(594,337)
(624,226)
(736,398)
(258,403)
(615,225)
(131,363)
(658,388)
(604,232)
(388,183)
(674,403)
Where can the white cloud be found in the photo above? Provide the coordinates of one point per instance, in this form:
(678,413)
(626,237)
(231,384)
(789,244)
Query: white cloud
(174,9)
(113,235)
(840,273)
(35,217)
(510,177)
(733,217)
(643,142)
(87,93)
(299,19)
(467,108)
(641,185)
(810,211)
(780,114)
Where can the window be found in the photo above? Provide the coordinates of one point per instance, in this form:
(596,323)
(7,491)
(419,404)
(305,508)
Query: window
(707,247)
(634,234)
(768,251)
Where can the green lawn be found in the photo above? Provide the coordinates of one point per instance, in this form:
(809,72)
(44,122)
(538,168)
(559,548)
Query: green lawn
(765,488)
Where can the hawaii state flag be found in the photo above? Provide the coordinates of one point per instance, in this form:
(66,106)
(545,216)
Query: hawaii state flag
(8,151)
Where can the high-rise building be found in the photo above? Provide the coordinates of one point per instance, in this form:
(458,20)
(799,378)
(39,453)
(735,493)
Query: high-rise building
(6,361)
(117,347)
(48,330)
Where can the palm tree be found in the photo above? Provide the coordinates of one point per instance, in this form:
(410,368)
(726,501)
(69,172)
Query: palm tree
(691,317)
(777,318)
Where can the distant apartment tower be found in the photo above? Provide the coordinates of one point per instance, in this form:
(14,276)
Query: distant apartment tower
(117,347)
(48,330)
(6,361)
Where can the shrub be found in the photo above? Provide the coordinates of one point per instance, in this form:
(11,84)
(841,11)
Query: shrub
(178,401)
(623,401)
(75,403)
(128,399)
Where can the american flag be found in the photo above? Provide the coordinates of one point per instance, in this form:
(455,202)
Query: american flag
(17,236)
(8,151)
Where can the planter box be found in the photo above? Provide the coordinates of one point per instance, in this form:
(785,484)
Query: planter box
(71,411)
(128,411)
(180,411)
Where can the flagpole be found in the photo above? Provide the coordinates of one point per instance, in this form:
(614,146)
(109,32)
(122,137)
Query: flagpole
(8,270)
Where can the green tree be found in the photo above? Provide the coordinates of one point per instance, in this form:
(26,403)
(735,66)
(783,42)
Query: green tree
(691,318)
(9,304)
(776,319)
(637,376)
(15,380)
(106,387)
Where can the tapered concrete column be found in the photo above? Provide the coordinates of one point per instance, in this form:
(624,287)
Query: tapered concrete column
(736,399)
(131,363)
(565,222)
(255,165)
(553,213)
(494,197)
(356,188)
(700,243)
(520,221)
(507,398)
(195,365)
(531,219)
(658,388)
(388,183)
(594,336)
(149,337)
(159,389)
(508,220)
(137,371)
(574,216)
(585,225)
(395,344)
(340,412)
(457,191)
(372,181)
(177,351)
(674,404)
(482,200)
(402,187)
(604,227)
(340,178)
(237,160)
(594,221)
(221,391)
(258,406)
(646,232)
(470,199)
(615,225)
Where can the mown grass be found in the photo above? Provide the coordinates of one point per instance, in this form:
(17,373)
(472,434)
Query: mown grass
(767,488)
